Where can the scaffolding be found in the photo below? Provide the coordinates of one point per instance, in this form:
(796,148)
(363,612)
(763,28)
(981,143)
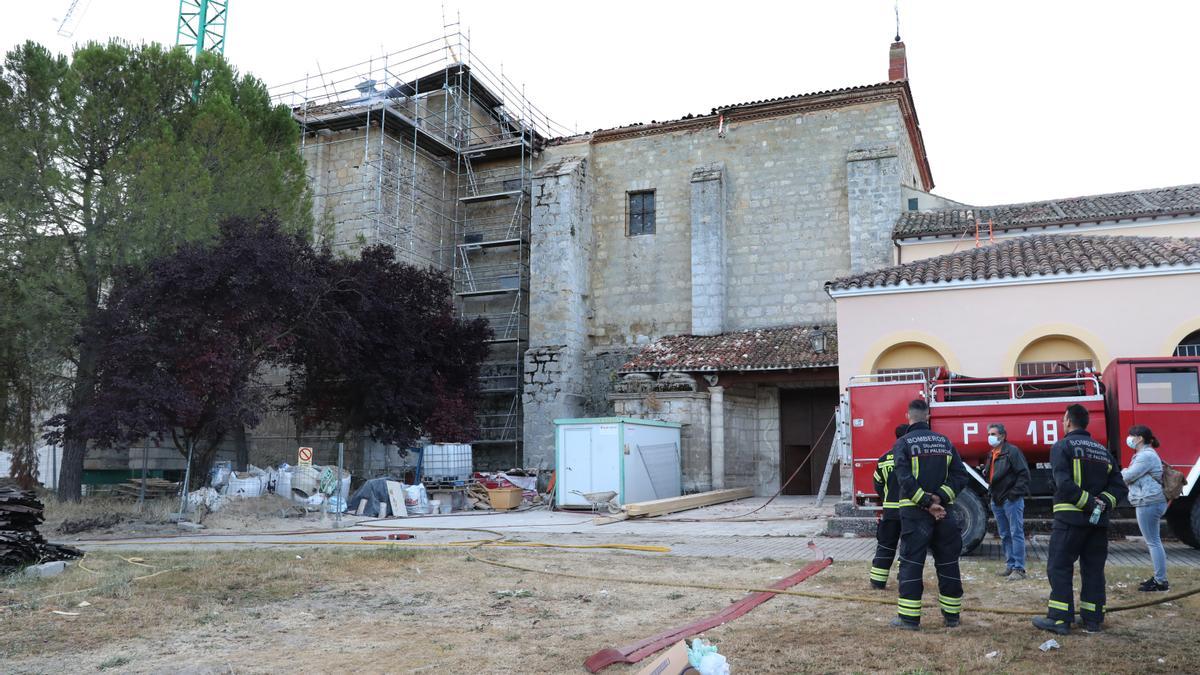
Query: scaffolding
(430,151)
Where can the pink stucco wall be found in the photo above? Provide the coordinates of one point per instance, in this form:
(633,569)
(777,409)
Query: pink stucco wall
(981,331)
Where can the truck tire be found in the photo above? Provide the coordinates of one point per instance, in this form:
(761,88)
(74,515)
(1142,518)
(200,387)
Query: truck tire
(1184,519)
(972,518)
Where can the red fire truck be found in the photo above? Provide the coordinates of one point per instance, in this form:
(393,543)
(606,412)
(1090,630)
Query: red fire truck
(1161,393)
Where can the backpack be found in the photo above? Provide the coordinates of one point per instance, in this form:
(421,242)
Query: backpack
(1172,481)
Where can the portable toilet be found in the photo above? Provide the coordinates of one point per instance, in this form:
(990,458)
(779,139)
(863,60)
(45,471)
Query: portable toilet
(635,458)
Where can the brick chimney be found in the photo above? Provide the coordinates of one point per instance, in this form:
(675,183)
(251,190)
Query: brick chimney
(897,62)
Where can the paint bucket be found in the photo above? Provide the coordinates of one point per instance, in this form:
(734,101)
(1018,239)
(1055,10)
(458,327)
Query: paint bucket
(435,506)
(445,507)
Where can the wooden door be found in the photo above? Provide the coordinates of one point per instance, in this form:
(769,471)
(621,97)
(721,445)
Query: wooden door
(806,436)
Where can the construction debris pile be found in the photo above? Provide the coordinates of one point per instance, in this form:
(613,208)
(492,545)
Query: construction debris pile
(21,544)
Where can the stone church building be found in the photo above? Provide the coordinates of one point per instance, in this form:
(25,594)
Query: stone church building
(677,271)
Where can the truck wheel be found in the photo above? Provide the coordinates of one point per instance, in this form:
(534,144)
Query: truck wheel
(1184,519)
(972,518)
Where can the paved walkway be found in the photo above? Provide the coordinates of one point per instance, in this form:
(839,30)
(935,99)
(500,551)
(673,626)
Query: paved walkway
(782,530)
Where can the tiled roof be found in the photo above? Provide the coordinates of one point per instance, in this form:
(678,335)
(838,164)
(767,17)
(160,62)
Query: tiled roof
(1178,200)
(762,349)
(1035,255)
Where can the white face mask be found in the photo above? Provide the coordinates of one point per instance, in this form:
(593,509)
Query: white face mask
(993,440)
(1132,442)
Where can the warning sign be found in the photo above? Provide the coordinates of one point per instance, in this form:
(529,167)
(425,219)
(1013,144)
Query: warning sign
(305,457)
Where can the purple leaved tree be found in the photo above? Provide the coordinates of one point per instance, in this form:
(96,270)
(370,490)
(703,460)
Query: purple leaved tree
(184,341)
(385,355)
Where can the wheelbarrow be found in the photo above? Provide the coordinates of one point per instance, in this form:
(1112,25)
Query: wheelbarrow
(600,500)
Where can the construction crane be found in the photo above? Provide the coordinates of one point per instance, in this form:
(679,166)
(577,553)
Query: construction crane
(74,15)
(202,25)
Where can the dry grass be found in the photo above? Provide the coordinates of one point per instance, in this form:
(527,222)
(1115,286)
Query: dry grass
(388,610)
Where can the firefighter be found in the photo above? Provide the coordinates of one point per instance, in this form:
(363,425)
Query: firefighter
(1087,487)
(887,530)
(930,474)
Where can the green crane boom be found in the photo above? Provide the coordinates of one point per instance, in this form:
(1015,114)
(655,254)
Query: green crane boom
(202,25)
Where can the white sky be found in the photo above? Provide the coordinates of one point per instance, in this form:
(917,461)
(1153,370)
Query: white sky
(1018,99)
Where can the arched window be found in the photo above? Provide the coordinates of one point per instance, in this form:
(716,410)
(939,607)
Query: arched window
(1189,346)
(1054,354)
(907,357)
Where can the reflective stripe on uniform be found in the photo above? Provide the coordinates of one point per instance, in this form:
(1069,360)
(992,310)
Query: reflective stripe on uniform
(949,492)
(891,505)
(908,607)
(879,574)
(1084,498)
(1089,606)
(906,502)
(1055,604)
(916,467)
(1111,499)
(1067,507)
(950,605)
(918,496)
(1077,471)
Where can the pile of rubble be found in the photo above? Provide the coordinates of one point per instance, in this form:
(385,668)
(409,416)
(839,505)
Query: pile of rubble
(20,543)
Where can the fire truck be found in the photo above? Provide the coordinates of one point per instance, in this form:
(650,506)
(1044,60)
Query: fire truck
(1161,393)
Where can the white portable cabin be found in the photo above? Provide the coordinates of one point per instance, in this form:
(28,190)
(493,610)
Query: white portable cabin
(638,459)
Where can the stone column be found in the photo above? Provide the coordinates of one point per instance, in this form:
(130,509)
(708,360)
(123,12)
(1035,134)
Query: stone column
(560,246)
(716,415)
(768,440)
(708,249)
(874,201)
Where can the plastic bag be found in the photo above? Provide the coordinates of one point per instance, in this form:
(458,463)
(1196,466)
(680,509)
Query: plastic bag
(704,657)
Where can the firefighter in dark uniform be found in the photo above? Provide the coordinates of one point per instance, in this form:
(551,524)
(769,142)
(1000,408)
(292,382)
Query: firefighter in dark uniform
(930,474)
(1087,487)
(887,531)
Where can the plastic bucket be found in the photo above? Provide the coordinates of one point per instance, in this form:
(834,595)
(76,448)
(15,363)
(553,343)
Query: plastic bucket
(446,507)
(435,506)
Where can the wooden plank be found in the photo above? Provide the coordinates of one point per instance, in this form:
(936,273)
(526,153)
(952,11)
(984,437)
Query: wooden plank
(395,492)
(660,507)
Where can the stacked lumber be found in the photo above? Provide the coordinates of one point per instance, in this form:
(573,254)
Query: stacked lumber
(20,543)
(477,497)
(156,488)
(660,507)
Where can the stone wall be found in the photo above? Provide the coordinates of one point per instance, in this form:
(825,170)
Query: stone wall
(786,220)
(555,383)
(371,188)
(873,198)
(689,408)
(741,437)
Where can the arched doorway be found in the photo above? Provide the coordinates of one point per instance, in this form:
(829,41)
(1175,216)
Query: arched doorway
(1054,354)
(908,357)
(1189,346)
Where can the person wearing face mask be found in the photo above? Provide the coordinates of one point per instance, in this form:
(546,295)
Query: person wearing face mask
(1144,478)
(1008,483)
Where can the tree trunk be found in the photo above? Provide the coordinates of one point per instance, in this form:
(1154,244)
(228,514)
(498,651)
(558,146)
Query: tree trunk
(242,446)
(70,477)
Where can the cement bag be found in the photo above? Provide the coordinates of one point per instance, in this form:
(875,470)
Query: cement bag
(416,500)
(283,483)
(305,479)
(242,486)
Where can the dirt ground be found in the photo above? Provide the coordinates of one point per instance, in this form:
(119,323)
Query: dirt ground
(377,609)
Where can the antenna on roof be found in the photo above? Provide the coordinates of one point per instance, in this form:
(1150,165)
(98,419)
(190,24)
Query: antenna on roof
(897,6)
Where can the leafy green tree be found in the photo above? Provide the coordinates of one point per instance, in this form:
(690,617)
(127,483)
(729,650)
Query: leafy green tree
(109,157)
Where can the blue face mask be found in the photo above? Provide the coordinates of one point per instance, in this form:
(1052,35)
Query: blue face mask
(1132,442)
(993,440)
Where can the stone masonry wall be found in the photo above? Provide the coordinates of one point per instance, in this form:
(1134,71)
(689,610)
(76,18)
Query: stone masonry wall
(560,249)
(741,437)
(873,199)
(691,409)
(786,227)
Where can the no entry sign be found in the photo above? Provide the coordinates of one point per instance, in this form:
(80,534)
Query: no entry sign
(305,457)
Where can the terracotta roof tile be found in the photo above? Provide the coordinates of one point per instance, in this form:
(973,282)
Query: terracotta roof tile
(761,349)
(1035,255)
(1178,200)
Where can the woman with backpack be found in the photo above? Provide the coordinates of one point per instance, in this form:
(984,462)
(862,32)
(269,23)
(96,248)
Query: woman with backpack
(1144,478)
